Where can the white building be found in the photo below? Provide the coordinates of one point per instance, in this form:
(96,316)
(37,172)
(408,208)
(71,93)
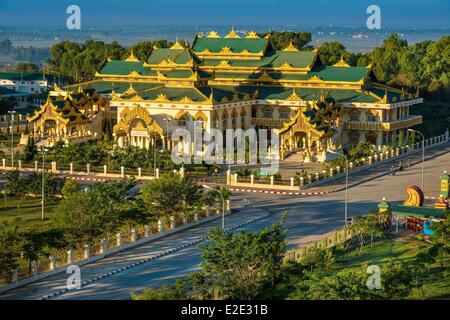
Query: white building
(24,82)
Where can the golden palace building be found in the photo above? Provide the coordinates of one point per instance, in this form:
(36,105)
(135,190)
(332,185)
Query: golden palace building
(241,81)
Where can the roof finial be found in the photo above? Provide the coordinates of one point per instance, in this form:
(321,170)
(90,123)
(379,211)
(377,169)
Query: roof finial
(232,33)
(341,63)
(290,47)
(131,57)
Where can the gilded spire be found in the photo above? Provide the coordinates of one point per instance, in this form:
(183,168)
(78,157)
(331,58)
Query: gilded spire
(232,34)
(131,57)
(177,45)
(294,96)
(341,63)
(290,47)
(385,98)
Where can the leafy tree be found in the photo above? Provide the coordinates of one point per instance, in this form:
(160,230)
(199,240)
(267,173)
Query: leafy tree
(368,226)
(70,187)
(17,184)
(331,52)
(440,240)
(318,258)
(281,40)
(345,285)
(86,216)
(26,66)
(9,253)
(37,243)
(387,57)
(178,291)
(243,264)
(170,195)
(351,284)
(30,150)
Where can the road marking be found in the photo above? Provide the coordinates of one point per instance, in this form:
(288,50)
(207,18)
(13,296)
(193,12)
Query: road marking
(159,255)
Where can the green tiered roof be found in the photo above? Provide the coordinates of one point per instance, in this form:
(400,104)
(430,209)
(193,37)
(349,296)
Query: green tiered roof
(215,45)
(116,67)
(242,65)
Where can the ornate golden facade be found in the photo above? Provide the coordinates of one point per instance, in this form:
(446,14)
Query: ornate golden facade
(241,81)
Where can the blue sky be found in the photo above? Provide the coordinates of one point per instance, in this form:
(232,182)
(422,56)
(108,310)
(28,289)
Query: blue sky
(309,13)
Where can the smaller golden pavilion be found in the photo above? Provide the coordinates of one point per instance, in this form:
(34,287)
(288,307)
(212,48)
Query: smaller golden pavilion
(69,117)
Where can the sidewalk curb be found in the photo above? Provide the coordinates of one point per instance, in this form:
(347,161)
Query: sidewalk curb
(149,259)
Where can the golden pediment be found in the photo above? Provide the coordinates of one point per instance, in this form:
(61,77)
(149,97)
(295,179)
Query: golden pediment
(341,63)
(290,47)
(232,34)
(130,90)
(186,99)
(226,50)
(213,34)
(286,65)
(252,35)
(167,63)
(161,97)
(224,99)
(132,58)
(235,97)
(265,77)
(206,51)
(134,73)
(177,45)
(294,96)
(224,63)
(315,78)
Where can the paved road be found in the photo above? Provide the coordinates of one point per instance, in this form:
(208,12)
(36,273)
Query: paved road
(309,217)
(162,269)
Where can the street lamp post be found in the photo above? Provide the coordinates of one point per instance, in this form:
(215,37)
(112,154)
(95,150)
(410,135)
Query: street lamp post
(12,113)
(223,204)
(43,150)
(346,186)
(167,132)
(423,153)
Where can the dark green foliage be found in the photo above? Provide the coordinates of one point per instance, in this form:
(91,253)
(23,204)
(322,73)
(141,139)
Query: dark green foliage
(30,150)
(9,253)
(244,263)
(85,216)
(170,195)
(281,40)
(82,60)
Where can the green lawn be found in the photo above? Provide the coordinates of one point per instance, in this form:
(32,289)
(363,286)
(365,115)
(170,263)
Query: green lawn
(402,248)
(27,212)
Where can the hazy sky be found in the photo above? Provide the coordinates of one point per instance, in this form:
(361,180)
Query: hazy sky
(310,13)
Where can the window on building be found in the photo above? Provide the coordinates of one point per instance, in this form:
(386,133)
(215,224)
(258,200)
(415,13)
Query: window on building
(267,112)
(354,116)
(371,118)
(284,113)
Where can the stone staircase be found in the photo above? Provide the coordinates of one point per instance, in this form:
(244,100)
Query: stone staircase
(294,157)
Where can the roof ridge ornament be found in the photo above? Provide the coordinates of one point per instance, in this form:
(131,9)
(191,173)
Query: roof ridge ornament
(232,34)
(213,34)
(131,57)
(385,98)
(291,47)
(294,96)
(252,35)
(177,45)
(130,90)
(341,63)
